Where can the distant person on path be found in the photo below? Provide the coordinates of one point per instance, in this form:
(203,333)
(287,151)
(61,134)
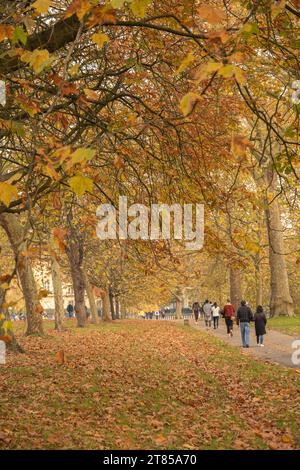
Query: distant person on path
(216,315)
(156,314)
(70,310)
(207,313)
(163,314)
(196,310)
(260,321)
(244,317)
(228,313)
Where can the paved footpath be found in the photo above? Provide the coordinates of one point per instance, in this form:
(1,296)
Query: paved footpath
(278,346)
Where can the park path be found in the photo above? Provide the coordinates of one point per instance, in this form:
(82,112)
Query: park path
(278,346)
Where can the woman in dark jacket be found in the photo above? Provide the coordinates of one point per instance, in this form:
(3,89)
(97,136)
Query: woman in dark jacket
(260,321)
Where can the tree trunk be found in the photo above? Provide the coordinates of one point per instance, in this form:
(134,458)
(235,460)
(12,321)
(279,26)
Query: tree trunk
(112,305)
(179,304)
(258,280)
(258,262)
(281,302)
(235,288)
(91,297)
(117,308)
(9,337)
(58,293)
(123,309)
(17,237)
(106,313)
(75,255)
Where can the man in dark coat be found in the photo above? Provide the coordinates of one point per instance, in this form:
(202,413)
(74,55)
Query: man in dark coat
(244,317)
(70,310)
(260,321)
(196,310)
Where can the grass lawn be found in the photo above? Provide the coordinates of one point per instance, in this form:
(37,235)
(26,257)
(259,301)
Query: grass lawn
(287,325)
(144,385)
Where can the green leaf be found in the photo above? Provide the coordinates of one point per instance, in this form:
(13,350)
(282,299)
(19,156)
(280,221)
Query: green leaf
(7,326)
(81,184)
(19,35)
(117,3)
(250,28)
(18,128)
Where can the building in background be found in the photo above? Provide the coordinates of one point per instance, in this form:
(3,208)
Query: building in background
(44,281)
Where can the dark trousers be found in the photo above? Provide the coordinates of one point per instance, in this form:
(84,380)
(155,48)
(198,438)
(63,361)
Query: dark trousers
(229,324)
(196,315)
(216,322)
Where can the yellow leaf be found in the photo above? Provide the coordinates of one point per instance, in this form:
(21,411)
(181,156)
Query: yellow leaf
(8,192)
(81,184)
(7,326)
(211,14)
(61,154)
(251,246)
(42,6)
(4,286)
(205,69)
(227,71)
(82,155)
(138,7)
(240,76)
(188,102)
(74,69)
(49,170)
(38,59)
(100,39)
(188,60)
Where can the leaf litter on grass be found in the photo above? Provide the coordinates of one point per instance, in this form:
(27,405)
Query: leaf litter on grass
(144,385)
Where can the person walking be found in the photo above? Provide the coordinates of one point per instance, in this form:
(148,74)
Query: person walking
(207,313)
(70,310)
(228,314)
(260,321)
(244,317)
(196,310)
(156,314)
(216,315)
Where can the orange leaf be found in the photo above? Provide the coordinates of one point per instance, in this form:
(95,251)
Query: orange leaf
(78,7)
(101,15)
(60,357)
(6,31)
(211,14)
